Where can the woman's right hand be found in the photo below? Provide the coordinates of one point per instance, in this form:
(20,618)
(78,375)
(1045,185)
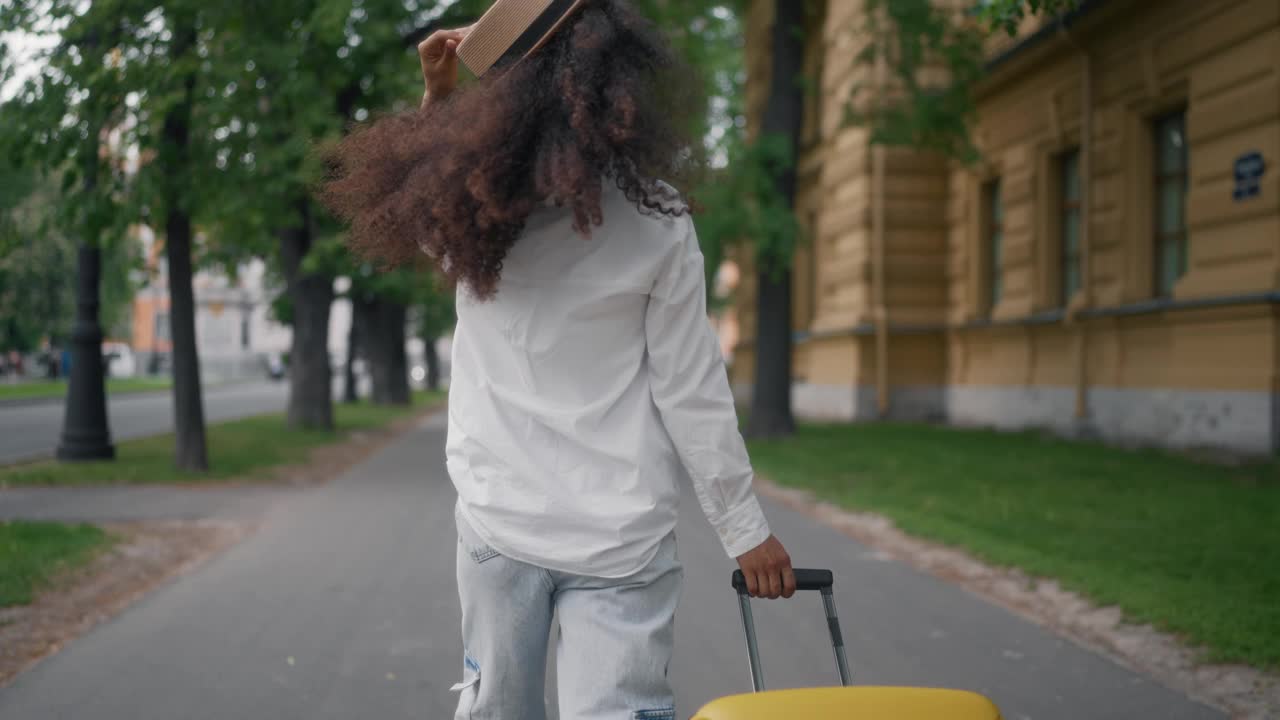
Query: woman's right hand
(768,571)
(439,56)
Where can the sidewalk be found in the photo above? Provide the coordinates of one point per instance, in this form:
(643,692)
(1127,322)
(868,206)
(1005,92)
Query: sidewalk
(343,605)
(122,503)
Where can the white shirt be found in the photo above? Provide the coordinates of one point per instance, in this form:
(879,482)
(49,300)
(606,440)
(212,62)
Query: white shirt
(585,390)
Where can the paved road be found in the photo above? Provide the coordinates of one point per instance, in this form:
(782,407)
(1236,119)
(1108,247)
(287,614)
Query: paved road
(32,431)
(343,606)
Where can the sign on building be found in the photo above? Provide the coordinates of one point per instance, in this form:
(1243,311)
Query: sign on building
(1249,169)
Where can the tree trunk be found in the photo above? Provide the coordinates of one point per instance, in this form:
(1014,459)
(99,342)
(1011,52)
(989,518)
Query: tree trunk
(382,324)
(771,399)
(783,115)
(396,316)
(432,356)
(86,434)
(310,375)
(188,402)
(349,391)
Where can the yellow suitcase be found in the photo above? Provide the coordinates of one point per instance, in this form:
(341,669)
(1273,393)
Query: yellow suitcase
(854,703)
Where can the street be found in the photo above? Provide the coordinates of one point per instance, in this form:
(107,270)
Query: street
(32,431)
(343,605)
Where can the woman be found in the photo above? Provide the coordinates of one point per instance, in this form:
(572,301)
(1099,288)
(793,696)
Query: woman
(586,378)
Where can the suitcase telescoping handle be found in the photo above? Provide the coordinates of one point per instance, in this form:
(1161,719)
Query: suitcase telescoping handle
(820,580)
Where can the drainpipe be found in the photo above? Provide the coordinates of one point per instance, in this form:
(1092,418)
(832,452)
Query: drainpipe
(1086,225)
(877,279)
(880,314)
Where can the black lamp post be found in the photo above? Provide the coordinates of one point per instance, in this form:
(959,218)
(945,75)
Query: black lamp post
(85,432)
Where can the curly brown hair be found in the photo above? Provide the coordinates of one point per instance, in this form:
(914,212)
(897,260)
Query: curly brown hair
(605,100)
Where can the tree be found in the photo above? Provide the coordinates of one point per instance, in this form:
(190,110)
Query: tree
(36,258)
(747,191)
(312,67)
(708,35)
(176,165)
(750,203)
(350,393)
(384,307)
(270,84)
(383,321)
(35,300)
(380,302)
(782,123)
(435,316)
(35,261)
(279,104)
(164,60)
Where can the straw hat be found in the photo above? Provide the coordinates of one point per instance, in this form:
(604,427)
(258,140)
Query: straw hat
(512,29)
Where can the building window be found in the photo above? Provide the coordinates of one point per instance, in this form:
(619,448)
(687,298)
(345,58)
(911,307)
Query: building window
(162,328)
(994,209)
(1170,202)
(1072,269)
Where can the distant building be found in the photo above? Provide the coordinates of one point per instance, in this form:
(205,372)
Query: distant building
(1111,268)
(234,328)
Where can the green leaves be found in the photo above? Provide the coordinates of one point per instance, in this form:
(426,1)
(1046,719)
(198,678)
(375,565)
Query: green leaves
(934,60)
(1007,15)
(433,307)
(744,206)
(739,203)
(269,82)
(109,74)
(37,258)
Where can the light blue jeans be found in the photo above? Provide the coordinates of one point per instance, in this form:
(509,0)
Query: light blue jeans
(615,637)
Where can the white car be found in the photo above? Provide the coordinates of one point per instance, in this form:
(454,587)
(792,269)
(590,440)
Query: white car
(119,360)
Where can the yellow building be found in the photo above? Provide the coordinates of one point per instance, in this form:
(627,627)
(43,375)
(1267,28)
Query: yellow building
(1112,266)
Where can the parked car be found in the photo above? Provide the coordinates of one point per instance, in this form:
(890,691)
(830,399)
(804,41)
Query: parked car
(119,360)
(275,366)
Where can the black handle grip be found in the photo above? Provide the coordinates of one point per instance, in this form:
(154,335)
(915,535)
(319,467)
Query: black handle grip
(805,580)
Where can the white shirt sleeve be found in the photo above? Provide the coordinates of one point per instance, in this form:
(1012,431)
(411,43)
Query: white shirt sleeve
(691,389)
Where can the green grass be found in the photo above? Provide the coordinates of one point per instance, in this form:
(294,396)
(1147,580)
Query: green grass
(58,388)
(33,552)
(1193,548)
(240,450)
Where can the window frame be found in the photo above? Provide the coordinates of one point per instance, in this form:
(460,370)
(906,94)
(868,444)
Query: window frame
(1161,177)
(992,242)
(162,328)
(1066,208)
